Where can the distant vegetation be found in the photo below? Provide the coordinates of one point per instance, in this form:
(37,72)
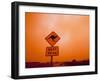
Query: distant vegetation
(56,64)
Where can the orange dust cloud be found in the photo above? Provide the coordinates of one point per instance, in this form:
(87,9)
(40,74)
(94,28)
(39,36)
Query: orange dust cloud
(73,31)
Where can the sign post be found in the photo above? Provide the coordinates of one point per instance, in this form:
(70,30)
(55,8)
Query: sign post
(51,60)
(51,51)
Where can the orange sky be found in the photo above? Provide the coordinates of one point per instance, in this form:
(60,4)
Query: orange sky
(72,29)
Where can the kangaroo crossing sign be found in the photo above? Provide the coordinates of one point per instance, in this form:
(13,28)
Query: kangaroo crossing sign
(52,38)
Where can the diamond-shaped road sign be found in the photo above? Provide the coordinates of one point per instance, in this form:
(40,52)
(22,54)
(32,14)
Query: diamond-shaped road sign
(52,38)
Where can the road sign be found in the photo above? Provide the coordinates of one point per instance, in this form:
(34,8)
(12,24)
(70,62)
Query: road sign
(52,51)
(52,38)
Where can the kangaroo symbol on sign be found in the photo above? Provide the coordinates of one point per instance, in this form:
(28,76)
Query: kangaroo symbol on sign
(53,37)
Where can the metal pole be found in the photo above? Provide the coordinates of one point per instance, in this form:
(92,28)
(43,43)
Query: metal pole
(51,60)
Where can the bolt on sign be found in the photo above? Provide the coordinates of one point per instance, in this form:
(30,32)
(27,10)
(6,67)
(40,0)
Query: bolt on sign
(52,38)
(52,51)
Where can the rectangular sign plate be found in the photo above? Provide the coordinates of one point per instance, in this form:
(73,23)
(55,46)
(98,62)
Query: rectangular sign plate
(52,51)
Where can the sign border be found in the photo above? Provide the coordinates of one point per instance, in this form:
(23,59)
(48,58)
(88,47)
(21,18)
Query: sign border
(49,35)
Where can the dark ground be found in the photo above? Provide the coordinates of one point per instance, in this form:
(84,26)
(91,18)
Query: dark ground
(56,64)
